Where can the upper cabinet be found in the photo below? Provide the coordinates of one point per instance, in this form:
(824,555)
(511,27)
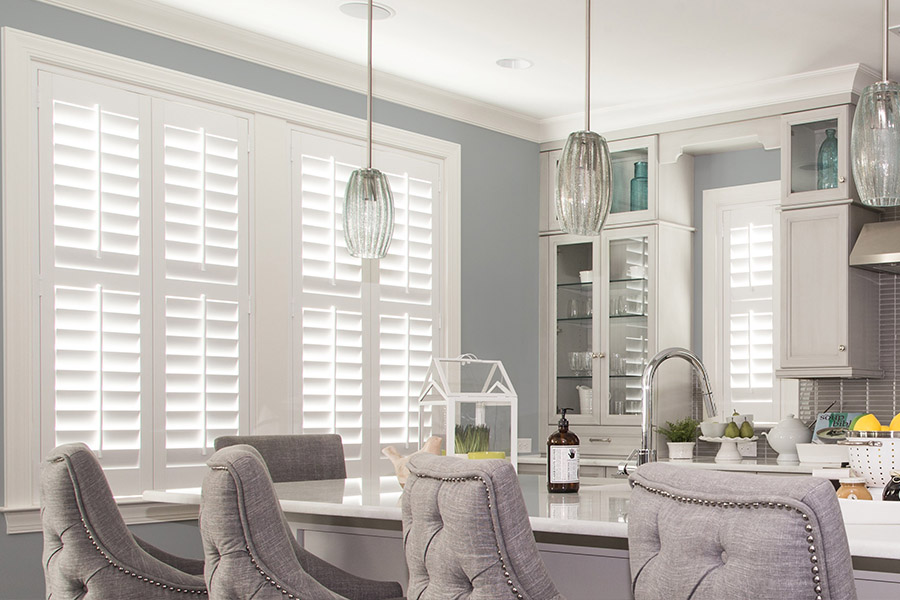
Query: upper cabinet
(815,156)
(634,166)
(829,310)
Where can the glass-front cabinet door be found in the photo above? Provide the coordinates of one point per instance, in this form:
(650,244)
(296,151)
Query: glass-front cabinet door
(625,324)
(603,320)
(815,155)
(574,297)
(634,176)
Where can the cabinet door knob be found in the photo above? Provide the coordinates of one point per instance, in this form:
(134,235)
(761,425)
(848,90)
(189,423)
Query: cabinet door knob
(597,355)
(842,179)
(841,348)
(603,440)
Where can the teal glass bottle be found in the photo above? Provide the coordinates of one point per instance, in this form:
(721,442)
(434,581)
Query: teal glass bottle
(827,163)
(639,186)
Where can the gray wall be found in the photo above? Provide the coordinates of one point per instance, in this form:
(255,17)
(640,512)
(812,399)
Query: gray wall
(724,169)
(499,227)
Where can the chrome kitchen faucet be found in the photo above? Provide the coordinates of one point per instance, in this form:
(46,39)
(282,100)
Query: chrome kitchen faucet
(647,453)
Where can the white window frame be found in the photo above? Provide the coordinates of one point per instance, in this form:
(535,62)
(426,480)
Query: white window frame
(715,202)
(270,370)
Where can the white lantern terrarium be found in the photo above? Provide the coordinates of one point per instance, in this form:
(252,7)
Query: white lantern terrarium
(472,405)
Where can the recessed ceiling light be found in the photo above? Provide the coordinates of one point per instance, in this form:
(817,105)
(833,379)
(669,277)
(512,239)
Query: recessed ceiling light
(514,63)
(360,10)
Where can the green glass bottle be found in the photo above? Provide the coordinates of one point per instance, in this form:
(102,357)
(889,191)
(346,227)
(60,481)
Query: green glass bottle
(639,186)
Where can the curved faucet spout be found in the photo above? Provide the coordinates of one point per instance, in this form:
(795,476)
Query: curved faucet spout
(647,452)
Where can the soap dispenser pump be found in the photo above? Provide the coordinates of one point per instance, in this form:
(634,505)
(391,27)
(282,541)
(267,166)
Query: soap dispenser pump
(562,458)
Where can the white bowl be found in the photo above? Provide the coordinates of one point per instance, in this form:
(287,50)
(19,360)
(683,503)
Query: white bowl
(823,454)
(586,276)
(712,429)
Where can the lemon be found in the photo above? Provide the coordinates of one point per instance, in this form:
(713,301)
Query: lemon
(867,423)
(895,423)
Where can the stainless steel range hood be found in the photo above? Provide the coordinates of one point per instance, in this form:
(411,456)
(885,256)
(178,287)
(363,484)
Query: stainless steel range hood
(878,247)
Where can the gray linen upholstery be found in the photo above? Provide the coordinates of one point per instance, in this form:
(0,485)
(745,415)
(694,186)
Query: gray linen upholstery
(466,533)
(89,553)
(307,457)
(708,535)
(250,552)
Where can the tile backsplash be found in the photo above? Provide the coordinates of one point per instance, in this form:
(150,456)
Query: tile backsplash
(877,396)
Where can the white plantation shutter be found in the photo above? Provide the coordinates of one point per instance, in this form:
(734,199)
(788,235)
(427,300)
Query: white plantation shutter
(94,195)
(201,287)
(366,329)
(749,310)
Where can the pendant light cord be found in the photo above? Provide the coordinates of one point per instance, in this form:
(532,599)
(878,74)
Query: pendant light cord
(369,94)
(587,66)
(884,47)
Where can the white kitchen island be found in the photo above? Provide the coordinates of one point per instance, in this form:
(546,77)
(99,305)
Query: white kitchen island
(583,537)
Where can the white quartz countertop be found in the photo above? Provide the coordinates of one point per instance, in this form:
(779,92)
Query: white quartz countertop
(748,464)
(600,508)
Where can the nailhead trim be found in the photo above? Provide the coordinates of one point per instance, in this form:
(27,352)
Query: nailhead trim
(125,571)
(814,559)
(268,579)
(509,582)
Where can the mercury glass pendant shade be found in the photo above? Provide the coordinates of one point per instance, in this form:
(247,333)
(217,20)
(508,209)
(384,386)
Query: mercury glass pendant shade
(368,214)
(584,182)
(875,145)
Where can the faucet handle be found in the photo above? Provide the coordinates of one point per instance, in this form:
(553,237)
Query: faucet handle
(623,466)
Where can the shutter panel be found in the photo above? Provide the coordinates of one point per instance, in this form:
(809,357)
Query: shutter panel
(330,295)
(366,329)
(93,196)
(749,306)
(201,283)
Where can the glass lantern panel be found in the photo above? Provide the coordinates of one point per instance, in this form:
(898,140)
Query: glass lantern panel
(628,325)
(814,156)
(574,326)
(479,427)
(629,176)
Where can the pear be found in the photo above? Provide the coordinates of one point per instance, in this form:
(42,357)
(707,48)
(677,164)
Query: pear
(732,430)
(746,429)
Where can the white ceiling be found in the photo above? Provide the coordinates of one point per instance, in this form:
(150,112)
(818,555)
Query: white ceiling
(644,51)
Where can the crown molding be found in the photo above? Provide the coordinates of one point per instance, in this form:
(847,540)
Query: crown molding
(710,106)
(182,26)
(814,89)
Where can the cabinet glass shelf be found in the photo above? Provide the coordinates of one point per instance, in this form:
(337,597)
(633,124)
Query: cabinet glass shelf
(576,285)
(614,376)
(635,316)
(574,376)
(628,280)
(582,319)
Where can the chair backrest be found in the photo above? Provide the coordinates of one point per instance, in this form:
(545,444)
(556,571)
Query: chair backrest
(88,551)
(709,535)
(466,532)
(307,457)
(250,552)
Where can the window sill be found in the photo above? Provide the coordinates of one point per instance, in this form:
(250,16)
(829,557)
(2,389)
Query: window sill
(28,519)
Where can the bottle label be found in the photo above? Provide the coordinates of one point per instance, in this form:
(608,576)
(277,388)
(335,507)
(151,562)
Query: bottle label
(563,464)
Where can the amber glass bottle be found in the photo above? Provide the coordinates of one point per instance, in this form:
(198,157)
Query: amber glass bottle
(562,458)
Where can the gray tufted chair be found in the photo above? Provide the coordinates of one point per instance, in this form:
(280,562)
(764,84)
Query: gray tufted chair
(305,457)
(89,553)
(466,533)
(708,535)
(250,552)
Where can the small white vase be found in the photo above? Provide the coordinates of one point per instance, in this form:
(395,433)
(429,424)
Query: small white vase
(681,450)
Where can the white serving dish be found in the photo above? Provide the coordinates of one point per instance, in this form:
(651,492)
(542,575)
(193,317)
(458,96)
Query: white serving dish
(823,454)
(586,276)
(712,429)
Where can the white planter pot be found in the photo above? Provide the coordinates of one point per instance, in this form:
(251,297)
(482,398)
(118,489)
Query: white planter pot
(681,450)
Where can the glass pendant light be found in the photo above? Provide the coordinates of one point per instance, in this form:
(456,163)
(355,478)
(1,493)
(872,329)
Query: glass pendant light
(368,202)
(875,140)
(584,179)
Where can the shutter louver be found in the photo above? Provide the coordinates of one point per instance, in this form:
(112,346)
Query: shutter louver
(405,354)
(92,316)
(204,290)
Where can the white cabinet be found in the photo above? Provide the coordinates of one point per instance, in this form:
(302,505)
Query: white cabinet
(608,305)
(807,175)
(829,310)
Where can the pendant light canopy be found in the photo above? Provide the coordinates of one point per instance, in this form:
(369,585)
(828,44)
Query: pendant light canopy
(875,139)
(585,179)
(368,202)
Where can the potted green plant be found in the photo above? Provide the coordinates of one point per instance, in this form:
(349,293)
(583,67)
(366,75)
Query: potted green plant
(682,436)
(472,438)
